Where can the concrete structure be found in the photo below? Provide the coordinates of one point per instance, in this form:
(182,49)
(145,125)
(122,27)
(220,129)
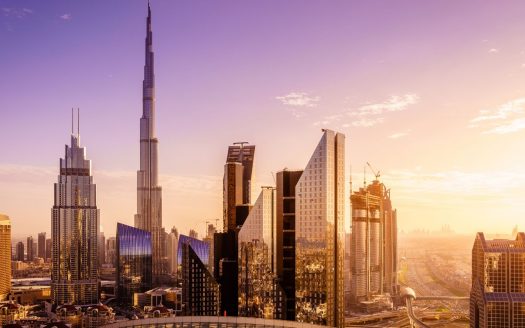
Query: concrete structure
(319,234)
(5,256)
(42,245)
(101,249)
(30,247)
(20,256)
(49,247)
(149,193)
(260,294)
(172,244)
(497,296)
(74,230)
(286,182)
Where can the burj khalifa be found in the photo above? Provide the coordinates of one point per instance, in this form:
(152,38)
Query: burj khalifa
(149,193)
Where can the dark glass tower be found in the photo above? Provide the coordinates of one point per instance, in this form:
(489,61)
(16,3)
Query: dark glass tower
(133,262)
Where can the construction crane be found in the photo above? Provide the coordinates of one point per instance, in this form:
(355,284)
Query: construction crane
(376,173)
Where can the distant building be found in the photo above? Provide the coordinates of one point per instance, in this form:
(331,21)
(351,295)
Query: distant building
(49,247)
(209,240)
(134,261)
(74,230)
(172,244)
(373,244)
(111,251)
(20,251)
(5,256)
(42,245)
(260,294)
(285,236)
(319,234)
(101,249)
(194,234)
(31,251)
(497,296)
(200,291)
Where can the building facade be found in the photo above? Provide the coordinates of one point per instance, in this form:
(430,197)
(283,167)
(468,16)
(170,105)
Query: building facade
(20,256)
(74,230)
(149,193)
(172,246)
(42,245)
(31,251)
(497,296)
(5,256)
(319,234)
(49,247)
(134,262)
(260,294)
(285,236)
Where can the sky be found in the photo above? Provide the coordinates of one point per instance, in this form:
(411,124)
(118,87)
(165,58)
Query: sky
(432,94)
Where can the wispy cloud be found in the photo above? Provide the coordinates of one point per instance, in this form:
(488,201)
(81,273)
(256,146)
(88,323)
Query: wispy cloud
(393,104)
(16,12)
(368,122)
(66,17)
(298,101)
(507,118)
(399,135)
(493,51)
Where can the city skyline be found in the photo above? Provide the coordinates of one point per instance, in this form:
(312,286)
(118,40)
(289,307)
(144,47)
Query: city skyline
(386,120)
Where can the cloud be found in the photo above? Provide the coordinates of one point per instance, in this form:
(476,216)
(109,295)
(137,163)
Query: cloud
(493,51)
(398,135)
(507,118)
(66,17)
(393,104)
(368,122)
(16,12)
(298,102)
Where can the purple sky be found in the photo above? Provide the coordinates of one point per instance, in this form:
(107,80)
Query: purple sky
(431,93)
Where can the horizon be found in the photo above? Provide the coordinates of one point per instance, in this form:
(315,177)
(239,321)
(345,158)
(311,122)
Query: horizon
(442,120)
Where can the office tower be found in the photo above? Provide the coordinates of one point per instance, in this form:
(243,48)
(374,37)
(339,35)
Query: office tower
(194,234)
(237,182)
(5,256)
(200,291)
(20,251)
(101,249)
(49,247)
(149,193)
(209,240)
(74,230)
(173,243)
(30,249)
(373,244)
(225,270)
(134,262)
(497,296)
(285,236)
(111,251)
(260,294)
(319,234)
(42,245)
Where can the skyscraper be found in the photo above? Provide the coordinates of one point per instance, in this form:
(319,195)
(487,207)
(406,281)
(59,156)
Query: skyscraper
(319,234)
(5,256)
(173,241)
(49,247)
(101,248)
(20,251)
(30,245)
(149,193)
(260,294)
(497,296)
(373,244)
(237,182)
(285,236)
(42,245)
(74,230)
(134,258)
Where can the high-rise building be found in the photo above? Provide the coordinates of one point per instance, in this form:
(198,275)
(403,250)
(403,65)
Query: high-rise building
(319,234)
(497,296)
(134,261)
(149,193)
(42,245)
(373,244)
(194,234)
(225,270)
(30,245)
(111,251)
(209,239)
(237,182)
(74,230)
(101,249)
(173,242)
(20,251)
(285,236)
(260,294)
(49,247)
(200,291)
(5,256)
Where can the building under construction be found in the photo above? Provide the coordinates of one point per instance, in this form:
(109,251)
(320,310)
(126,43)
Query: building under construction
(373,247)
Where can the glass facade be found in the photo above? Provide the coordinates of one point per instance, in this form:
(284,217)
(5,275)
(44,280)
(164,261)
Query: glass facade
(201,248)
(74,230)
(134,262)
(497,296)
(260,295)
(319,228)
